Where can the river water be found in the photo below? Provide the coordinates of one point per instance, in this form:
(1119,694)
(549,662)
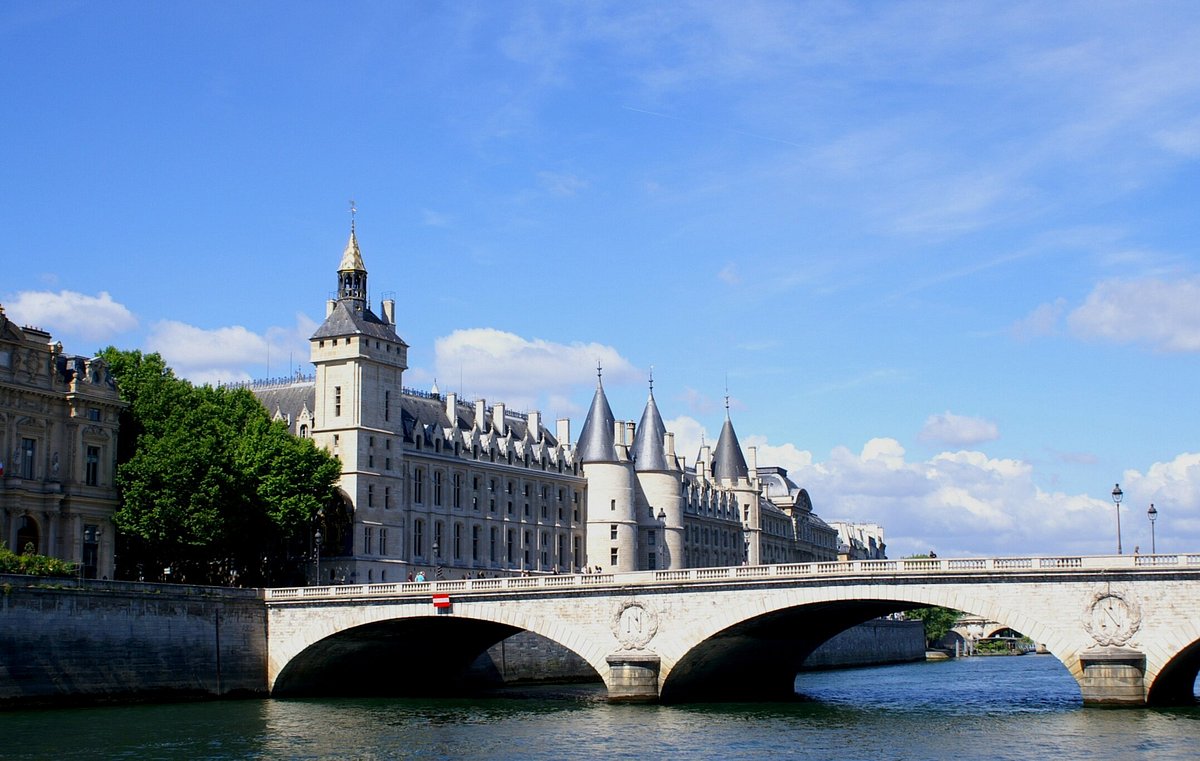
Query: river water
(996,708)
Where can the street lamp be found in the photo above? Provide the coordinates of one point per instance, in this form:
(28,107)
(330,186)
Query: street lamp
(1116,496)
(1152,514)
(317,543)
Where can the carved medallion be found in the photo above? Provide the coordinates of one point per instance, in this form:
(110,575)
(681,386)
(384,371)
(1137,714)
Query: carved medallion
(1112,617)
(634,624)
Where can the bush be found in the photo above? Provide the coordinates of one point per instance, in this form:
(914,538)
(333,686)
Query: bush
(34,565)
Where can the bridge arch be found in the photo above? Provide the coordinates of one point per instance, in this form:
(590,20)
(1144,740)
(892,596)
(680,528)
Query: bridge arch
(1175,682)
(754,651)
(403,650)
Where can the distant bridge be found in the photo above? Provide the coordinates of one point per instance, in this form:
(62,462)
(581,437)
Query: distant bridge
(1127,627)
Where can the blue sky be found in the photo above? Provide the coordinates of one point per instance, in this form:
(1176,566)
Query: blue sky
(943,256)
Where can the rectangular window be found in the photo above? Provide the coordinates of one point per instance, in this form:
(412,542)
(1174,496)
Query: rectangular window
(576,551)
(456,494)
(337,400)
(94,414)
(458,541)
(652,563)
(612,559)
(28,450)
(368,539)
(651,536)
(418,538)
(474,543)
(418,486)
(509,546)
(370,495)
(383,541)
(91,550)
(387,497)
(437,489)
(437,539)
(612,531)
(526,548)
(387,405)
(92,467)
(492,545)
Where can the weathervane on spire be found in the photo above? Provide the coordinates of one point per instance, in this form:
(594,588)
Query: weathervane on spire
(598,371)
(652,379)
(353,209)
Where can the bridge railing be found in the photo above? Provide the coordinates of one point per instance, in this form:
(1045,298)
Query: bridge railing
(823,569)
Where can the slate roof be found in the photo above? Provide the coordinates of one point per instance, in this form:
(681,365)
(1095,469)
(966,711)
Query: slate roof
(344,321)
(728,461)
(649,443)
(596,443)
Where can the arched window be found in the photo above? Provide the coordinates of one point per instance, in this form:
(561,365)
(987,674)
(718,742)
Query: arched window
(29,536)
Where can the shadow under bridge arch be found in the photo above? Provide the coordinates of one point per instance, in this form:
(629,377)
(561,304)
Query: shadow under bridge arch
(758,658)
(417,656)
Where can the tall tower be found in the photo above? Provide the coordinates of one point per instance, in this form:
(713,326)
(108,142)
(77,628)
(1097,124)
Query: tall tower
(729,469)
(603,450)
(659,506)
(359,362)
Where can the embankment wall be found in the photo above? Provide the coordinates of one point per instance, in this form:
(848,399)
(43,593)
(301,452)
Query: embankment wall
(67,641)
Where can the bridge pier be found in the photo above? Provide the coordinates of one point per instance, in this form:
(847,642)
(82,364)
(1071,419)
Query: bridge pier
(634,677)
(1113,676)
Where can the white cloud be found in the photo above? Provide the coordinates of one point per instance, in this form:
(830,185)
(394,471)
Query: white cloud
(505,367)
(1164,315)
(561,184)
(1042,321)
(72,314)
(965,503)
(958,430)
(221,355)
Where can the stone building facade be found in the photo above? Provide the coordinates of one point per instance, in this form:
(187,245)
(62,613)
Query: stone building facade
(648,510)
(432,483)
(58,447)
(438,484)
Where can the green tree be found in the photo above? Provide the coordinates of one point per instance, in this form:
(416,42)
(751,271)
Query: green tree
(938,621)
(211,487)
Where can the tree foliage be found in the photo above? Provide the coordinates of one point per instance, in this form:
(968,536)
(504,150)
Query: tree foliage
(32,564)
(938,621)
(211,488)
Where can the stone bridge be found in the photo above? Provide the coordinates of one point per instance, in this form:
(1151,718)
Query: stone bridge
(1127,627)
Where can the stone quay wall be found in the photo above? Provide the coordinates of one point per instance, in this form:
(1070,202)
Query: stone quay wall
(527,658)
(874,643)
(70,641)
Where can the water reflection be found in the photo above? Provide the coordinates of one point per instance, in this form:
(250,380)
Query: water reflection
(994,708)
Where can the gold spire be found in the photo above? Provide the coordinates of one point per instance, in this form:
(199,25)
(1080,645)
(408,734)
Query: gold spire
(352,257)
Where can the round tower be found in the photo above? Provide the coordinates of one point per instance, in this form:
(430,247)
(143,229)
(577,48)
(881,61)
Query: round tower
(603,451)
(659,498)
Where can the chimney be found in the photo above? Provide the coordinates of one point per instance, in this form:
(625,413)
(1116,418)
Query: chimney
(670,444)
(534,429)
(329,305)
(480,411)
(452,408)
(389,311)
(498,423)
(563,425)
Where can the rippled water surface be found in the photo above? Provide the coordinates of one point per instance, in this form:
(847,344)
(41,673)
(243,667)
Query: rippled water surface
(983,708)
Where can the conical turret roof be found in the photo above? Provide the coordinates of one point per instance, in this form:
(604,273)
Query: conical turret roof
(596,442)
(649,443)
(728,461)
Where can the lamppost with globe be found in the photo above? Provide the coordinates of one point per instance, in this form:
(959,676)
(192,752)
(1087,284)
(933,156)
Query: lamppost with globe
(317,545)
(1152,514)
(1116,498)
